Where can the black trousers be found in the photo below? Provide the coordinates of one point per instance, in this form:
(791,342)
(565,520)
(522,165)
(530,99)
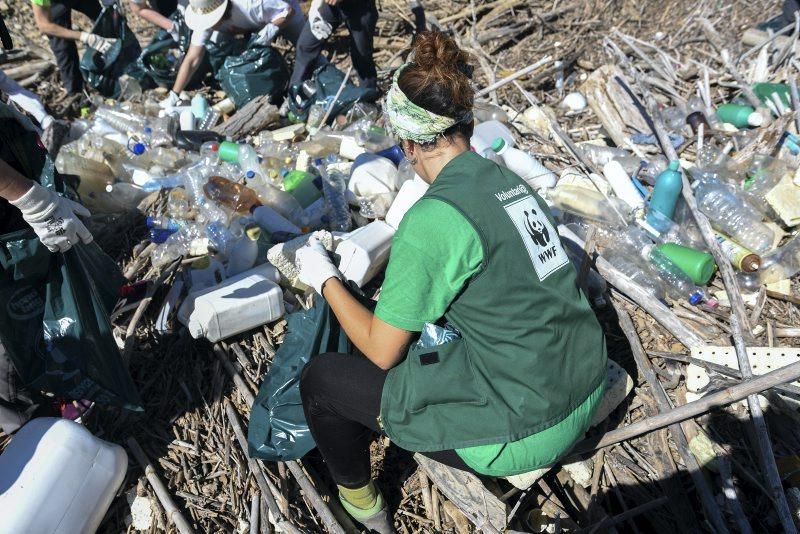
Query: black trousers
(342,400)
(360,16)
(65,50)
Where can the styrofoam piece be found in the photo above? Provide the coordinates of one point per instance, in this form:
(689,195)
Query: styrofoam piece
(242,302)
(372,175)
(282,254)
(618,385)
(485,133)
(409,193)
(762,361)
(56,477)
(365,252)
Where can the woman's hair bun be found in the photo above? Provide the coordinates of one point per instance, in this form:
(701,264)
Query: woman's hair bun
(435,50)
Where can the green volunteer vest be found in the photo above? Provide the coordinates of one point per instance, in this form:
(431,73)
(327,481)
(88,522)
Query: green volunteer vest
(531,349)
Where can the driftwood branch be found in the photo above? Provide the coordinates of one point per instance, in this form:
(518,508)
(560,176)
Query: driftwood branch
(255,116)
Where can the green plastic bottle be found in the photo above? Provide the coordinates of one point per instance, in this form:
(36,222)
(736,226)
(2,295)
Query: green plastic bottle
(764,92)
(740,116)
(300,184)
(229,151)
(698,265)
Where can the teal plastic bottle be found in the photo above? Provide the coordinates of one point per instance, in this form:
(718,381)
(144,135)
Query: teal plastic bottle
(665,195)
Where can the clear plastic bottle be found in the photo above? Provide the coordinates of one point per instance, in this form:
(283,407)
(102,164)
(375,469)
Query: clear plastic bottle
(249,160)
(485,111)
(280,201)
(780,264)
(600,155)
(163,131)
(221,238)
(178,205)
(731,216)
(334,187)
(376,206)
(763,175)
(126,123)
(644,276)
(178,244)
(590,205)
(679,285)
(235,196)
(243,253)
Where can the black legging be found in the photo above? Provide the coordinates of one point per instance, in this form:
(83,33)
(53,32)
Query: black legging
(65,50)
(342,399)
(360,16)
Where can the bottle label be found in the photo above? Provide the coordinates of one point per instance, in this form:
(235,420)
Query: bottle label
(733,251)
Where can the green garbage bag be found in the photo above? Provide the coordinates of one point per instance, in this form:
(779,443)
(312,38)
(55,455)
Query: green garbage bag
(328,79)
(255,71)
(54,307)
(102,71)
(278,430)
(160,60)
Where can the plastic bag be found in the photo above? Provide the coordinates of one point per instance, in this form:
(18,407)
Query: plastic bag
(257,70)
(278,430)
(54,307)
(160,60)
(102,71)
(328,79)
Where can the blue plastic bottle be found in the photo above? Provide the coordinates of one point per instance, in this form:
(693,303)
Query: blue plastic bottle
(665,195)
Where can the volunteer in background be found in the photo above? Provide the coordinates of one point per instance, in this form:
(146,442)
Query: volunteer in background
(23,204)
(158,12)
(54,19)
(478,251)
(231,18)
(324,17)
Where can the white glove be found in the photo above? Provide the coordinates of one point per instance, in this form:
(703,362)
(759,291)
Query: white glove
(315,265)
(53,218)
(320,28)
(267,34)
(172,100)
(101,44)
(175,33)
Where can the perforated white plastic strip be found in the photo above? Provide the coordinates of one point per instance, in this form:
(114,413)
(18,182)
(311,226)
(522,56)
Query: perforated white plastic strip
(762,361)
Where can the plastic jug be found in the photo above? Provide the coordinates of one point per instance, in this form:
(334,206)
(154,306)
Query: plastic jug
(55,476)
(620,181)
(372,175)
(410,192)
(365,252)
(485,133)
(665,195)
(242,302)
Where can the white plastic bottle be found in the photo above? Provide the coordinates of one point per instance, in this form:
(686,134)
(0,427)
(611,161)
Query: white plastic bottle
(410,192)
(272,221)
(485,133)
(620,182)
(372,175)
(242,302)
(244,252)
(364,252)
(55,476)
(526,166)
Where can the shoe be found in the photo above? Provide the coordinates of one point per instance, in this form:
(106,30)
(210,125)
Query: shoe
(775,24)
(376,520)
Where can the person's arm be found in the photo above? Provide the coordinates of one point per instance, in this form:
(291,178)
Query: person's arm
(151,15)
(41,15)
(12,184)
(191,62)
(382,343)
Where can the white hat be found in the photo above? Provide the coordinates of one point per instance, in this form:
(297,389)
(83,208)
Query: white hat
(202,14)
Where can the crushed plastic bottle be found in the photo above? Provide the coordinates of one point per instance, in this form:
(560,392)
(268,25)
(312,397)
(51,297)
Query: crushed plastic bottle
(234,196)
(334,187)
(780,264)
(590,204)
(730,215)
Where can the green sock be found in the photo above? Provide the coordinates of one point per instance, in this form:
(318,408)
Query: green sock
(363,498)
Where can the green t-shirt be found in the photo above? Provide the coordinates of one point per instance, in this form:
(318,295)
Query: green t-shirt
(42,3)
(434,253)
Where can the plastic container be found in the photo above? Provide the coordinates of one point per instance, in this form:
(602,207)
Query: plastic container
(372,175)
(243,253)
(665,195)
(741,258)
(600,155)
(780,264)
(731,216)
(235,196)
(229,151)
(242,302)
(524,165)
(740,116)
(620,181)
(199,107)
(56,477)
(300,184)
(485,111)
(697,264)
(273,222)
(334,187)
(410,192)
(203,273)
(590,204)
(393,153)
(485,133)
(365,252)
(187,120)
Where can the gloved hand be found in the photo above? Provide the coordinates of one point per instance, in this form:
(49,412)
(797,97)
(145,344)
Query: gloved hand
(320,28)
(94,41)
(315,265)
(175,33)
(172,100)
(267,34)
(53,218)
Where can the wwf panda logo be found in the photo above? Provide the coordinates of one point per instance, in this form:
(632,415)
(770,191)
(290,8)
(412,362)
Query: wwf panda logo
(536,229)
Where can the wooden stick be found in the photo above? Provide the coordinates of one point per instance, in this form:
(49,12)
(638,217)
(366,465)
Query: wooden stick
(331,524)
(690,410)
(515,76)
(241,385)
(710,506)
(715,40)
(172,511)
(763,443)
(425,488)
(625,516)
(264,484)
(335,98)
(254,514)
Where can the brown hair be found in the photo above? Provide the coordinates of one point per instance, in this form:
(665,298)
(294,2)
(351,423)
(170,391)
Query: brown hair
(438,80)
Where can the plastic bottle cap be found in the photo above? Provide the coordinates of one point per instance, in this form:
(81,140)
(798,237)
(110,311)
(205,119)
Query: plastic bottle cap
(253,232)
(498,144)
(148,130)
(249,174)
(674,165)
(695,298)
(149,221)
(138,148)
(755,119)
(712,303)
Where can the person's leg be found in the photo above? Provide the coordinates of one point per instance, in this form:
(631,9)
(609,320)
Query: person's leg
(361,17)
(309,46)
(90,8)
(65,51)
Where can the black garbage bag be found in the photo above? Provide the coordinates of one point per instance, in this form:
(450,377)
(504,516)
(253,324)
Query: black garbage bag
(160,60)
(54,307)
(245,74)
(278,430)
(328,79)
(102,71)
